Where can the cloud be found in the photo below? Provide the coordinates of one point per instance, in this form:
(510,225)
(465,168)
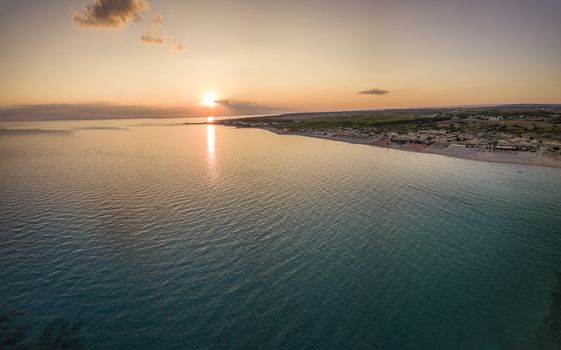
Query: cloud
(153,36)
(236,107)
(229,103)
(114,14)
(374,92)
(4,131)
(109,14)
(89,111)
(158,20)
(179,47)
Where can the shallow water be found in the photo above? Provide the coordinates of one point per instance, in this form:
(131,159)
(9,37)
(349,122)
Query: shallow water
(133,234)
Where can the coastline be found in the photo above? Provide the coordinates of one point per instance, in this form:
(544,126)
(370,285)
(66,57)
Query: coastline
(491,156)
(515,134)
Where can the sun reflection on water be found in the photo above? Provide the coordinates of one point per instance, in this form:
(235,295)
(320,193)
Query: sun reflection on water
(211,142)
(211,148)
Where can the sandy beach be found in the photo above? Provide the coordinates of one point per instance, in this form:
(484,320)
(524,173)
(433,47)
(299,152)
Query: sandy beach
(539,158)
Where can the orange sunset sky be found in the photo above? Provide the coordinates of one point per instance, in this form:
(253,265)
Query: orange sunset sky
(286,55)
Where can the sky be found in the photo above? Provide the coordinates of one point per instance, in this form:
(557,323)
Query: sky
(279,55)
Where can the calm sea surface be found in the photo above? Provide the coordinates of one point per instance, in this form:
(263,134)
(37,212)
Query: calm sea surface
(147,234)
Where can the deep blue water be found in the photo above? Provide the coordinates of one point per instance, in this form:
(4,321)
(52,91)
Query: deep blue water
(152,235)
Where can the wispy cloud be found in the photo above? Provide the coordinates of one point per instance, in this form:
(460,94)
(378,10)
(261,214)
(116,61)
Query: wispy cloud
(237,107)
(179,47)
(374,92)
(153,36)
(158,20)
(230,103)
(118,111)
(88,111)
(109,14)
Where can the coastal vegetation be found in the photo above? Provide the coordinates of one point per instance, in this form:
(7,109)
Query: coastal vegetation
(515,128)
(545,122)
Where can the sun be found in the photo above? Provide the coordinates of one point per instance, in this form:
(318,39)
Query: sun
(209,99)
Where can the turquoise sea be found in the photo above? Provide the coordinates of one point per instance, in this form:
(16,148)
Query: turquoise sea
(148,234)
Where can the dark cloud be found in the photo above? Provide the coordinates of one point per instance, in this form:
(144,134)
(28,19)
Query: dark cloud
(109,14)
(374,92)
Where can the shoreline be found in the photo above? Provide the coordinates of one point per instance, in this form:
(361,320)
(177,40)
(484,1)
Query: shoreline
(538,160)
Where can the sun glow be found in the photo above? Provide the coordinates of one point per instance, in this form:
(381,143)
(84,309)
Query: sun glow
(209,99)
